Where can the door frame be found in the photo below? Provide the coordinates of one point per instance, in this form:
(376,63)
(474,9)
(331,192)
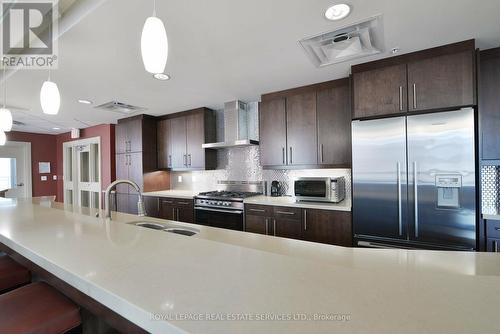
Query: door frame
(73,184)
(26,148)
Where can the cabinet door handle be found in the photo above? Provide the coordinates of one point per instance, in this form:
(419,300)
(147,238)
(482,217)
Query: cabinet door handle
(169,160)
(177,213)
(495,246)
(286,213)
(291,155)
(184,161)
(267,226)
(305,220)
(258,210)
(415,196)
(322,157)
(497,228)
(400,200)
(167,202)
(189,159)
(183,203)
(283,153)
(414,96)
(274,226)
(400,98)
(173,214)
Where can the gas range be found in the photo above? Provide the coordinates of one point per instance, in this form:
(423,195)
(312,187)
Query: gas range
(224,199)
(225,208)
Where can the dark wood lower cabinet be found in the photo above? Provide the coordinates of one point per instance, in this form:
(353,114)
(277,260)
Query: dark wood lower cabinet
(152,206)
(326,226)
(493,245)
(177,209)
(323,226)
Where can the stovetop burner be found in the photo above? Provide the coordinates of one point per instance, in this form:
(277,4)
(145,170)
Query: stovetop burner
(228,194)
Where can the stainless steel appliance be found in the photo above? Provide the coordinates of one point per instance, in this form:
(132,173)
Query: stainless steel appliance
(320,189)
(414,181)
(224,208)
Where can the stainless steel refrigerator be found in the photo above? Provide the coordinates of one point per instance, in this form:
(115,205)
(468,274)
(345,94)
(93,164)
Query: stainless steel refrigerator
(414,181)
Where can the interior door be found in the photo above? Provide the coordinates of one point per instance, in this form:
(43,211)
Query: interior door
(195,135)
(442,176)
(178,135)
(273,148)
(379,176)
(302,129)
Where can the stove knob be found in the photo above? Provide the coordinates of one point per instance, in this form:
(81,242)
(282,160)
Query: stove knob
(227,203)
(219,203)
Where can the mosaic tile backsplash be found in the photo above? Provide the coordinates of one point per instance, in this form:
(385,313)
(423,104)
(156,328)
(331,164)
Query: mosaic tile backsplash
(490,187)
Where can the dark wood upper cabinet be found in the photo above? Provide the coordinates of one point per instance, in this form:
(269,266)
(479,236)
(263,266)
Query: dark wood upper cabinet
(134,134)
(164,143)
(178,138)
(273,146)
(441,82)
(195,132)
(489,103)
(182,136)
(299,124)
(440,78)
(381,91)
(326,226)
(301,129)
(334,125)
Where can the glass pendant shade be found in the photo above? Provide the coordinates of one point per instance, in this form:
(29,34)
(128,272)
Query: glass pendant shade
(154,45)
(5,120)
(50,99)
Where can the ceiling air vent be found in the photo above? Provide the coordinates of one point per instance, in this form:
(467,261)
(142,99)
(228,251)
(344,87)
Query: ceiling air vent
(355,41)
(120,107)
(18,123)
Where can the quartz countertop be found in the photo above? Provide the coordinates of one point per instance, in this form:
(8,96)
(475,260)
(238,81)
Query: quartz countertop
(185,194)
(289,201)
(167,283)
(491,217)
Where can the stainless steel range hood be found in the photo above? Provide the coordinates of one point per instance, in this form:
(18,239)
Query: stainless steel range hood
(236,127)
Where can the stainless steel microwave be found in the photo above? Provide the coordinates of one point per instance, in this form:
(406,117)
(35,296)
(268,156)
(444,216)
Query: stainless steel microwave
(320,189)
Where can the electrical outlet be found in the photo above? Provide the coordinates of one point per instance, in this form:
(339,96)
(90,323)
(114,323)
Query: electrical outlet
(43,178)
(54,177)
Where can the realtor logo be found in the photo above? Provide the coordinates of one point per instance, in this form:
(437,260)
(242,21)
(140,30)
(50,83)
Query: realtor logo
(29,39)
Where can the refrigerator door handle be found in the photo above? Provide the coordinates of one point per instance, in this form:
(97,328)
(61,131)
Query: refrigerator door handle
(415,199)
(400,211)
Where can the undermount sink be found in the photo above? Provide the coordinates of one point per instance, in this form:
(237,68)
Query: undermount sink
(166,228)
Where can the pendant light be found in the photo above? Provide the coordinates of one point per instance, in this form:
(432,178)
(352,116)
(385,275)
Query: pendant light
(3,138)
(5,114)
(50,99)
(154,44)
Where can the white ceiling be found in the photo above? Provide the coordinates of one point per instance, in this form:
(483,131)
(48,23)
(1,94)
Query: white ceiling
(222,50)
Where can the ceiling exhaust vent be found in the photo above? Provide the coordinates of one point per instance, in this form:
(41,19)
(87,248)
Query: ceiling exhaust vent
(119,107)
(355,41)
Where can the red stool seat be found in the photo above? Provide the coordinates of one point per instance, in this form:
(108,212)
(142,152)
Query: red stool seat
(37,308)
(12,274)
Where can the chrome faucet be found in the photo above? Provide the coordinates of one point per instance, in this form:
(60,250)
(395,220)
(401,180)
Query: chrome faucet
(140,204)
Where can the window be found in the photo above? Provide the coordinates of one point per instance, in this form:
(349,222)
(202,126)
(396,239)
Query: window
(7,173)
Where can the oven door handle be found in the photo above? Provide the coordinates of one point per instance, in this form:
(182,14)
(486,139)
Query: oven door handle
(239,212)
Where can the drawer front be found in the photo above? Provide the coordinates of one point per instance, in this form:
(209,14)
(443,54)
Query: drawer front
(493,229)
(184,202)
(493,245)
(287,213)
(259,210)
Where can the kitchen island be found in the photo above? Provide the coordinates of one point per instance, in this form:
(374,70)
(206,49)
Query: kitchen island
(221,281)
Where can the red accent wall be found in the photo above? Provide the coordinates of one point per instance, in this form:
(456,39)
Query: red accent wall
(107,134)
(43,149)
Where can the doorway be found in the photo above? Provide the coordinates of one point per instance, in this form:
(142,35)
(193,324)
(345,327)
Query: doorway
(15,170)
(82,172)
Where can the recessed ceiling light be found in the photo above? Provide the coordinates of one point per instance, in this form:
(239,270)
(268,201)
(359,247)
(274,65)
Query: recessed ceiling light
(56,128)
(83,101)
(161,76)
(337,12)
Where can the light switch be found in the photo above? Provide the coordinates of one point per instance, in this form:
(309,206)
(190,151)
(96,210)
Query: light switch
(44,178)
(54,177)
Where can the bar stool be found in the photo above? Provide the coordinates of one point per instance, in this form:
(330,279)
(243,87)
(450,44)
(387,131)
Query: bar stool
(12,274)
(37,308)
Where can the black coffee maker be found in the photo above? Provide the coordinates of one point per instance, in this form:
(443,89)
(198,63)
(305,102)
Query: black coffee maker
(275,189)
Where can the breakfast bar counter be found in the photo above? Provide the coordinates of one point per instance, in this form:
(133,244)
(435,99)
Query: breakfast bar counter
(222,281)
